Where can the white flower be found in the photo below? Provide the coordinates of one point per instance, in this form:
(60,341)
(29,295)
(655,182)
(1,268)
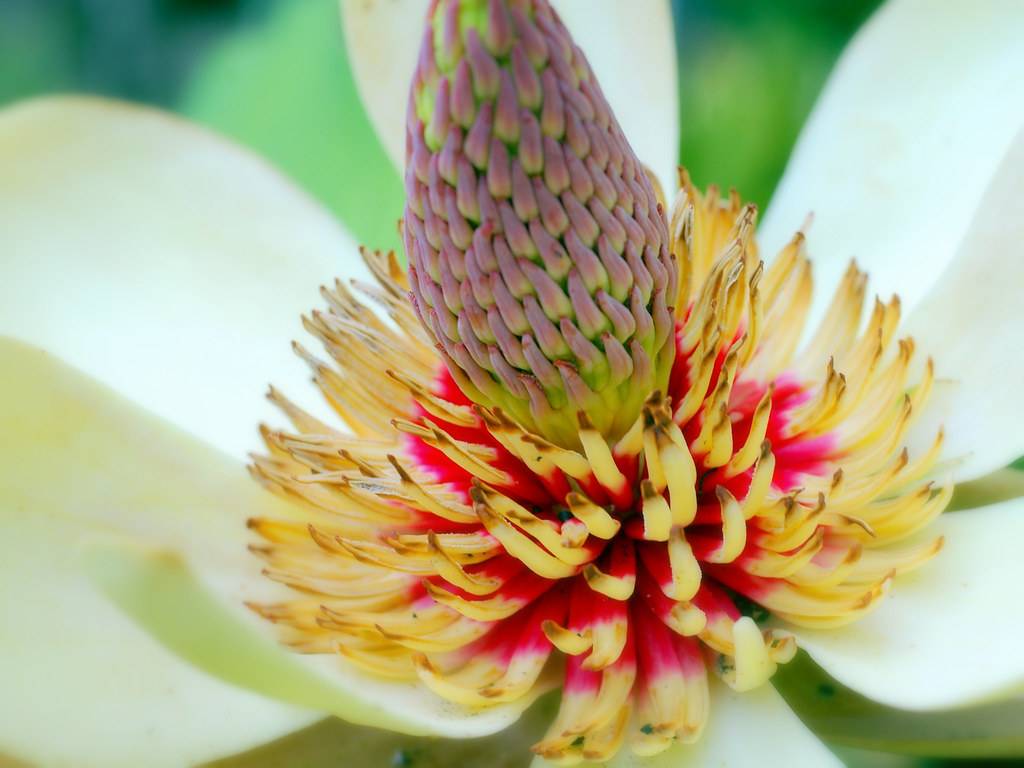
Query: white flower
(160,269)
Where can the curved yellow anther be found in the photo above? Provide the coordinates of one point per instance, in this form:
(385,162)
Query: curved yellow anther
(488,609)
(597,519)
(449,570)
(760,483)
(734,528)
(686,619)
(544,531)
(745,457)
(615,587)
(681,476)
(656,513)
(609,640)
(422,499)
(520,546)
(602,462)
(686,572)
(752,663)
(568,641)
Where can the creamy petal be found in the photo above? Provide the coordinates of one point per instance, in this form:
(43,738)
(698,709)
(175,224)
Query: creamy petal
(742,729)
(630,47)
(91,689)
(971,323)
(899,151)
(161,259)
(167,539)
(949,633)
(382,41)
(84,686)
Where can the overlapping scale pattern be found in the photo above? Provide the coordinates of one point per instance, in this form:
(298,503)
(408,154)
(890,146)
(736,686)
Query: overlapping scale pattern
(538,250)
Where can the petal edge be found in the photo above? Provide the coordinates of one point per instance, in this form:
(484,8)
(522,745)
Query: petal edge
(948,634)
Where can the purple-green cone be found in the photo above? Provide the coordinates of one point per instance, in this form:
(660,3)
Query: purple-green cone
(538,253)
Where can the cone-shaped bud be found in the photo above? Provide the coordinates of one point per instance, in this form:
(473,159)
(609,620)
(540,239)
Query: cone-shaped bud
(538,251)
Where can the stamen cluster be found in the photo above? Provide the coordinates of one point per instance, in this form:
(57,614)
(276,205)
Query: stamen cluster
(445,541)
(582,449)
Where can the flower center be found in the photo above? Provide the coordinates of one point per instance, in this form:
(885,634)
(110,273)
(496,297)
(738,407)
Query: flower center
(447,542)
(583,450)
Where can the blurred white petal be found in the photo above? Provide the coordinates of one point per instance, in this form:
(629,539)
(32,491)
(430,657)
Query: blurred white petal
(742,730)
(949,634)
(85,686)
(971,323)
(901,147)
(161,259)
(630,46)
(382,40)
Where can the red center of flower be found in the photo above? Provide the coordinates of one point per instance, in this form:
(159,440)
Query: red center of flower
(616,588)
(448,541)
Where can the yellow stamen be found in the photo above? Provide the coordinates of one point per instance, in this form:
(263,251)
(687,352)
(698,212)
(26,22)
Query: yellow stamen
(615,587)
(686,572)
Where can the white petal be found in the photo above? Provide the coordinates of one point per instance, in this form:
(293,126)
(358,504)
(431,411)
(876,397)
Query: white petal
(971,323)
(949,633)
(631,48)
(161,259)
(382,40)
(742,730)
(83,686)
(86,687)
(898,153)
(161,507)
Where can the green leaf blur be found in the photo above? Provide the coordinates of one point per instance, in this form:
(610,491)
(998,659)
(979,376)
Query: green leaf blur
(749,74)
(285,89)
(333,743)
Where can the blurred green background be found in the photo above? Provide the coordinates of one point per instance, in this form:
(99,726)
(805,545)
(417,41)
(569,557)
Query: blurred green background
(273,75)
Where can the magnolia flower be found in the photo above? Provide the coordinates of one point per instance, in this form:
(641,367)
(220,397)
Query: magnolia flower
(589,452)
